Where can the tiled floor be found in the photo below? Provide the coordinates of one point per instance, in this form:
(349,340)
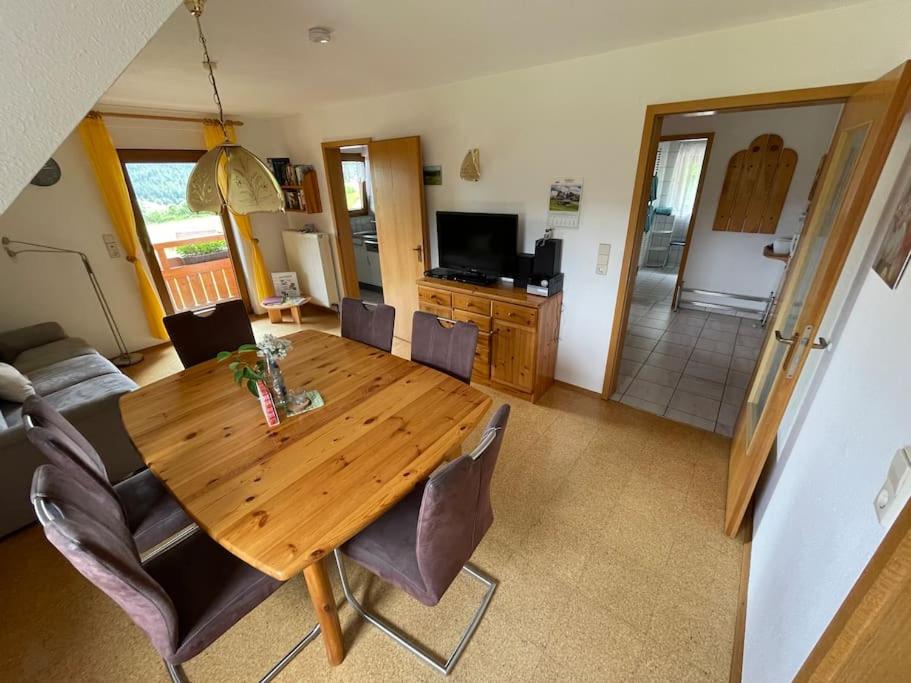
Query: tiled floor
(690,366)
(606,540)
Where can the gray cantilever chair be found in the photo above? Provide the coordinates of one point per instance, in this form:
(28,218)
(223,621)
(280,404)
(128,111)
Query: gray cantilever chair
(199,335)
(448,349)
(422,543)
(153,515)
(183,599)
(371,325)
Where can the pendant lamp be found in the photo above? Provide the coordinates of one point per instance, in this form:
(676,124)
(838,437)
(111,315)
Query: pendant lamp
(228,174)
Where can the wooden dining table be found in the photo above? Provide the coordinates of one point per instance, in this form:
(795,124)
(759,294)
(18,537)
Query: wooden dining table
(283,498)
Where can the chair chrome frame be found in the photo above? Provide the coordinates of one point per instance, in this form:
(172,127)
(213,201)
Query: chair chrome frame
(443,666)
(176,672)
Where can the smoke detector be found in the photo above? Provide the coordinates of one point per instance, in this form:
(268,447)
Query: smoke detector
(320,34)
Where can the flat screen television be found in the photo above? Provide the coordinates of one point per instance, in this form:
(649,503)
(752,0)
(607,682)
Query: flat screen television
(478,242)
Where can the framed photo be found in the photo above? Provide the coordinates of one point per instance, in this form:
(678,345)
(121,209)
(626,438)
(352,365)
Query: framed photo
(433,175)
(286,284)
(892,259)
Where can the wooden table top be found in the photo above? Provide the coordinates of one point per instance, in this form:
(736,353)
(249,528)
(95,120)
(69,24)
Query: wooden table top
(282,498)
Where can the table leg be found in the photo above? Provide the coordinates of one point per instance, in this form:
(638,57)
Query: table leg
(296,314)
(275,315)
(324,603)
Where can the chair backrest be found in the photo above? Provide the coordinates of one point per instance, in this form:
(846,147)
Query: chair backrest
(198,337)
(373,327)
(101,548)
(456,511)
(62,444)
(448,349)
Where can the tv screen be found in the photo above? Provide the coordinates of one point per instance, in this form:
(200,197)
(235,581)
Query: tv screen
(480,242)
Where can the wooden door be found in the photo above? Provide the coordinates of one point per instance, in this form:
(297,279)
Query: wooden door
(513,355)
(855,159)
(332,159)
(401,224)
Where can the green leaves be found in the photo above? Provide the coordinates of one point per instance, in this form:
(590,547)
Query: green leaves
(245,348)
(223,355)
(252,388)
(244,373)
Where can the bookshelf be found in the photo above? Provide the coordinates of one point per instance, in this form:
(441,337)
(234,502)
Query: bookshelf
(298,182)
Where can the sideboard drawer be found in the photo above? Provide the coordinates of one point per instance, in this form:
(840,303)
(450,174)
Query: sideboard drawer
(482,321)
(472,304)
(435,297)
(438,311)
(519,315)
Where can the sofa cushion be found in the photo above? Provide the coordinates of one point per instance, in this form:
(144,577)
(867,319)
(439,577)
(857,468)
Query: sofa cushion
(12,413)
(68,372)
(48,354)
(91,389)
(14,342)
(14,386)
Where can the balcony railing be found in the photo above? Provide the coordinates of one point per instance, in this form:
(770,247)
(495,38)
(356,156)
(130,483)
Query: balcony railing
(196,285)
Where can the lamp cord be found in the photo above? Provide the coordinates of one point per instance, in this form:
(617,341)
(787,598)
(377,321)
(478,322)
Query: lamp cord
(208,63)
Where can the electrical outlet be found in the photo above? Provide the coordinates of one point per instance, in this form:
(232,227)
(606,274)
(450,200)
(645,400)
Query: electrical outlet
(110,243)
(895,491)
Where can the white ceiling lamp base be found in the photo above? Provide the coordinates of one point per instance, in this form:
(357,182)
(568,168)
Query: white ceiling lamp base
(228,174)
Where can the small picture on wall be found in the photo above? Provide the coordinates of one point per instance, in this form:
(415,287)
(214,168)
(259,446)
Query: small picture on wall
(892,259)
(564,203)
(433,175)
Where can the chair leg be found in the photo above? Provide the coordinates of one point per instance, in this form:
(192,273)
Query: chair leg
(175,671)
(178,676)
(443,666)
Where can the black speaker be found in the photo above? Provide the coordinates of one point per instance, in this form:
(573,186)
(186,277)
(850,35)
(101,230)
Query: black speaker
(548,256)
(525,264)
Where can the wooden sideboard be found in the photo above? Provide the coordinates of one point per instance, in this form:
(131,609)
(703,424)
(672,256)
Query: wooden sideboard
(519,332)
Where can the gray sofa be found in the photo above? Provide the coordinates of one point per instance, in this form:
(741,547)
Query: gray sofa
(84,386)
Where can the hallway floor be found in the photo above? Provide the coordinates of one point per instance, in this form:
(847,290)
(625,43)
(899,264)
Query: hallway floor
(690,366)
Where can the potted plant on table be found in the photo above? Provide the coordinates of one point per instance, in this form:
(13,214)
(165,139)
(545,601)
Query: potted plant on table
(248,369)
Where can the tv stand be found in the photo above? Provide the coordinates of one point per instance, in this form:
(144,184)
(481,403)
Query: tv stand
(466,276)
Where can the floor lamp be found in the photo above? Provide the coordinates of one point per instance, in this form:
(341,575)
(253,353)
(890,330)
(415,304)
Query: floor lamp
(125,358)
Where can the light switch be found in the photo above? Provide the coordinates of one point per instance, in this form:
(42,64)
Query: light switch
(895,491)
(603,259)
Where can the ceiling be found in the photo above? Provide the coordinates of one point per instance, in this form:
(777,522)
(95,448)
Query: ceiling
(267,65)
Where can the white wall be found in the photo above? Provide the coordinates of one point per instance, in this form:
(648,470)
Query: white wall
(56,59)
(584,118)
(72,214)
(733,261)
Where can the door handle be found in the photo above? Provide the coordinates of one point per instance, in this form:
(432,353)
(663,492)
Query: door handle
(795,355)
(420,250)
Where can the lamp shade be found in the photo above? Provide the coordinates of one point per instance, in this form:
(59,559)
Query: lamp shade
(231,175)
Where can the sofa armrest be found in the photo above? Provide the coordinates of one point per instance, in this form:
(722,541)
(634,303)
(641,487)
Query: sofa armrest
(14,342)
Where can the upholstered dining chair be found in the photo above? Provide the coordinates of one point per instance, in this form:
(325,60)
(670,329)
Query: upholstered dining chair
(199,335)
(422,543)
(183,599)
(153,516)
(370,324)
(448,349)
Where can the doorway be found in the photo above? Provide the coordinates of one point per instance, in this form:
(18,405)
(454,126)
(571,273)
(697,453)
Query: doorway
(377,193)
(192,256)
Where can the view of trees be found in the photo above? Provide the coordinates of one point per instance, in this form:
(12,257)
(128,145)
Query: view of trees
(161,190)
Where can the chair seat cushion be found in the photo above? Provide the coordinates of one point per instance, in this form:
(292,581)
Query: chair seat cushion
(210,589)
(66,373)
(388,548)
(48,354)
(153,514)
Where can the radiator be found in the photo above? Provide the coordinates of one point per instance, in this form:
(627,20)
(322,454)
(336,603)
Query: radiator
(309,255)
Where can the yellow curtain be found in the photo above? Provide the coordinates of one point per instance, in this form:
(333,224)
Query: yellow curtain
(261,279)
(108,172)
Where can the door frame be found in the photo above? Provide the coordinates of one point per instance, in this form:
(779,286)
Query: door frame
(341,221)
(163,156)
(709,139)
(648,148)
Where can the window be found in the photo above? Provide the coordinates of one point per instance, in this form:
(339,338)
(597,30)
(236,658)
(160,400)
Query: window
(354,172)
